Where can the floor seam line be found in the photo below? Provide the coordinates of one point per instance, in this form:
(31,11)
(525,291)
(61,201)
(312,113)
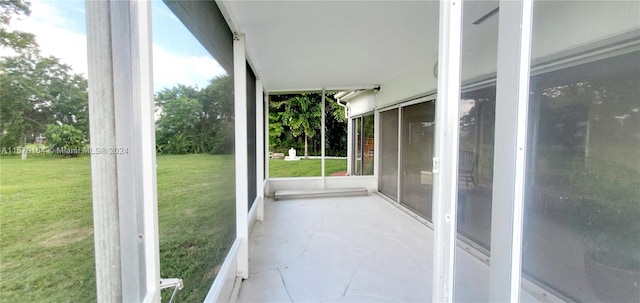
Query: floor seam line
(285,284)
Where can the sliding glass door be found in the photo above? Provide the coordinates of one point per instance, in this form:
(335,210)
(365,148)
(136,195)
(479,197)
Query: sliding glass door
(418,125)
(408,132)
(388,180)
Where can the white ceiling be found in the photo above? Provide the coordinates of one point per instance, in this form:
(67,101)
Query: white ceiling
(310,45)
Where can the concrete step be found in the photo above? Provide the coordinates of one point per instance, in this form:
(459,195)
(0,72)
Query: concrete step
(320,193)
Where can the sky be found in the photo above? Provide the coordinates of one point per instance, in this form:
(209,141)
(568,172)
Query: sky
(178,58)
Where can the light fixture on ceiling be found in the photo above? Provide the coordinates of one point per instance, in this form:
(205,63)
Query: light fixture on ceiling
(435,69)
(376,89)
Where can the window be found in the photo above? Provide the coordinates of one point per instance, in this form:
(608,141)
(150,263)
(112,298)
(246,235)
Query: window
(475,167)
(583,212)
(388,177)
(417,137)
(363,143)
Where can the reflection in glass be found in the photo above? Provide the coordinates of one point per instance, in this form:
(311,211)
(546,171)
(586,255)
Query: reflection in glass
(195,168)
(367,144)
(418,126)
(475,175)
(582,222)
(388,180)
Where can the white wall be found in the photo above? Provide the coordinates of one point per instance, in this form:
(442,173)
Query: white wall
(562,25)
(410,83)
(558,26)
(362,103)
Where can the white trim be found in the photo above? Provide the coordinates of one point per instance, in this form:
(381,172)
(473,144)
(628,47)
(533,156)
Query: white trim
(252,216)
(445,161)
(322,140)
(260,148)
(400,149)
(225,281)
(266,140)
(362,115)
(241,153)
(512,92)
(148,161)
(349,145)
(376,147)
(431,97)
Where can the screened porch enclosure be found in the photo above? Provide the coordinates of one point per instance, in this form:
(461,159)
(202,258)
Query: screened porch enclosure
(497,142)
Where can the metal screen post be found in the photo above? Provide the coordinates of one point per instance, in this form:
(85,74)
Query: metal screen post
(512,96)
(241,152)
(445,161)
(323,139)
(121,108)
(260,158)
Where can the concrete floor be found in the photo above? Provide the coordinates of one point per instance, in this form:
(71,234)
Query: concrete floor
(358,249)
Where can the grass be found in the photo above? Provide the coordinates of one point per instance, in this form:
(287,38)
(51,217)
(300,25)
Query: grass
(46,223)
(46,229)
(196,213)
(305,167)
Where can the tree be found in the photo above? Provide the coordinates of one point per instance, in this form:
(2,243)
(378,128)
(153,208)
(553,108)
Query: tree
(336,129)
(18,41)
(176,131)
(196,120)
(64,140)
(217,127)
(35,92)
(281,135)
(302,114)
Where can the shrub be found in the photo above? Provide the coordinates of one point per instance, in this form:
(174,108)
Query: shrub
(64,140)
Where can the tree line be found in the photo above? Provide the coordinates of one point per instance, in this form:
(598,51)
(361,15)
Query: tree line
(295,122)
(38,94)
(41,97)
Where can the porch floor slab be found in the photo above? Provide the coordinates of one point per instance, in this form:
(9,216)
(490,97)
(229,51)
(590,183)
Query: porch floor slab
(350,249)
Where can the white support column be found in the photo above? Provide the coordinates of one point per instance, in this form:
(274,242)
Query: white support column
(260,158)
(323,139)
(350,158)
(400,150)
(241,153)
(445,161)
(512,92)
(376,148)
(121,108)
(106,221)
(266,139)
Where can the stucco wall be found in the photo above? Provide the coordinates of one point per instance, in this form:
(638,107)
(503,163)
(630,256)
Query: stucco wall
(558,26)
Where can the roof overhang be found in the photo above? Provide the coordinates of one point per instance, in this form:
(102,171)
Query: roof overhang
(297,46)
(337,45)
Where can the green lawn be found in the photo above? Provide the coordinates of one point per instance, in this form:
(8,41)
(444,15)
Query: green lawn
(46,232)
(46,223)
(305,167)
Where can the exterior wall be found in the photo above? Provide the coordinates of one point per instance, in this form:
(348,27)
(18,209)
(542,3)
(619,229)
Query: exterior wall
(362,103)
(582,23)
(407,85)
